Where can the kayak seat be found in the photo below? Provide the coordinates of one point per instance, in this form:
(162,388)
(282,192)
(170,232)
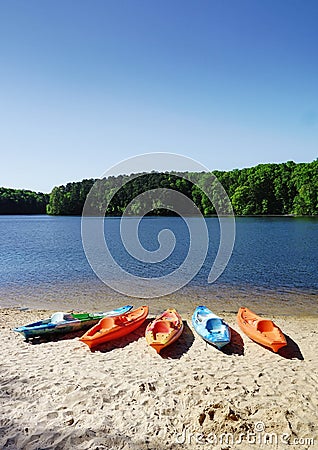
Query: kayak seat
(107,322)
(161,328)
(214,325)
(265,326)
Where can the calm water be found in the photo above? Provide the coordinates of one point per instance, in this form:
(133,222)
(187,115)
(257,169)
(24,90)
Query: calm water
(42,260)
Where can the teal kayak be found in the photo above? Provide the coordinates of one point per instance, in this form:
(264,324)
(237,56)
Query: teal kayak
(61,322)
(211,327)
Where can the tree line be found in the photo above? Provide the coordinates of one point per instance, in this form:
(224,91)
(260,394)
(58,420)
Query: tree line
(20,201)
(286,188)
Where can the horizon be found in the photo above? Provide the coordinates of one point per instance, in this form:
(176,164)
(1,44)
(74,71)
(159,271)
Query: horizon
(149,171)
(85,86)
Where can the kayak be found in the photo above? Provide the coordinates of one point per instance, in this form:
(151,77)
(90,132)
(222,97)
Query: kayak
(111,328)
(61,322)
(262,331)
(164,330)
(211,327)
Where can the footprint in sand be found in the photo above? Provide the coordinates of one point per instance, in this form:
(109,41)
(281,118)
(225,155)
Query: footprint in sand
(147,387)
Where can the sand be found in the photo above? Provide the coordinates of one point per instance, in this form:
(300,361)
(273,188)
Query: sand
(60,395)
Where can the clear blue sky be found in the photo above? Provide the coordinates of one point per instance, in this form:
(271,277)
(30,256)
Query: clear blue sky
(85,84)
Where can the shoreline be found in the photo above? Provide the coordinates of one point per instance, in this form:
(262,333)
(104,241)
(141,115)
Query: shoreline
(59,394)
(95,296)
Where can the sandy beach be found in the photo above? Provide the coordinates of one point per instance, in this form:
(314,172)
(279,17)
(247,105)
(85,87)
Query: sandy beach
(60,395)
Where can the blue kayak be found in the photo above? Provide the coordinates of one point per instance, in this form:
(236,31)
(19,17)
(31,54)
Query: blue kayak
(61,322)
(211,327)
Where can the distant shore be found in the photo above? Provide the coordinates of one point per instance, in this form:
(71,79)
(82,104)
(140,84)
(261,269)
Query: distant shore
(265,189)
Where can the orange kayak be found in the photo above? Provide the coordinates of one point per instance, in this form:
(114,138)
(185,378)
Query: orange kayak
(262,331)
(111,328)
(164,330)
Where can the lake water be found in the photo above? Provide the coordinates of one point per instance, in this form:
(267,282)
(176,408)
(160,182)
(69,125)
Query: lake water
(274,262)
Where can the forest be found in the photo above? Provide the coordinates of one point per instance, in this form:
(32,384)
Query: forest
(266,189)
(278,189)
(20,201)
